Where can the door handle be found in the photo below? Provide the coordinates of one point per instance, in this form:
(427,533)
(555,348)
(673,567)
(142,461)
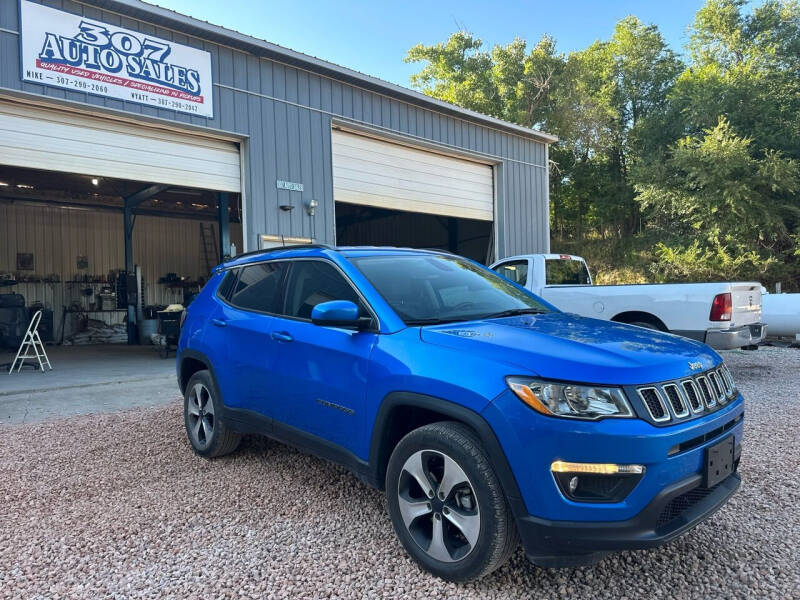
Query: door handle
(219,322)
(282,336)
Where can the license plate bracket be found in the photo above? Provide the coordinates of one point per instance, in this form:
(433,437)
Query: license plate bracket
(719,462)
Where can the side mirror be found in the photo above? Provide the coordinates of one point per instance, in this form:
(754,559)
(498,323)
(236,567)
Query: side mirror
(338,313)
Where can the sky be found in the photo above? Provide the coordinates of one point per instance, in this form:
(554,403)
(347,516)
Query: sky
(373,37)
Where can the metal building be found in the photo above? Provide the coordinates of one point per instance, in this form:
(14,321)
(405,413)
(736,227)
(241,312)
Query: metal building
(121,106)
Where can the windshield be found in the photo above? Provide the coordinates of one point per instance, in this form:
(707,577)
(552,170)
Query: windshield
(565,271)
(433,288)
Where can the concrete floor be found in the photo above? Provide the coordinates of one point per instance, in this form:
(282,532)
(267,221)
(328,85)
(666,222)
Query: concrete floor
(85,380)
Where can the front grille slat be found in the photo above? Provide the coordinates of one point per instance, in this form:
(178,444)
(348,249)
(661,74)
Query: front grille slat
(716,383)
(676,400)
(720,385)
(691,396)
(654,403)
(729,378)
(708,396)
(723,381)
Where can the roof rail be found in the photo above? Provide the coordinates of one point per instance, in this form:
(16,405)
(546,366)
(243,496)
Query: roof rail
(286,247)
(442,250)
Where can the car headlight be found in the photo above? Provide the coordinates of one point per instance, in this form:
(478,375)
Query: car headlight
(571,400)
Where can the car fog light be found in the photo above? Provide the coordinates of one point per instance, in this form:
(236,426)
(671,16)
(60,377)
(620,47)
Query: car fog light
(560,466)
(596,482)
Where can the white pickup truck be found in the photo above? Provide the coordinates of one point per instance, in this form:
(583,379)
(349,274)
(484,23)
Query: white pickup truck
(723,315)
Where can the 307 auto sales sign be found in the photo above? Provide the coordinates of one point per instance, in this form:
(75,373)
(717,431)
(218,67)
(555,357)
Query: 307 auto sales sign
(85,55)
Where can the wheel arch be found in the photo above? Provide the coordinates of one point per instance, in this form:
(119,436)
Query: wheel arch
(402,412)
(632,316)
(192,361)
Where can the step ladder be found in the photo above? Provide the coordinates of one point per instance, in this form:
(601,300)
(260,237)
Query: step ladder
(208,241)
(31,341)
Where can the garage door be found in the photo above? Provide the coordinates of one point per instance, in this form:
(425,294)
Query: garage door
(387,175)
(40,138)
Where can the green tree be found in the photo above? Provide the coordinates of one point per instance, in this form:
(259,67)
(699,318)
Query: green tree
(723,208)
(728,180)
(747,68)
(598,101)
(510,82)
(617,99)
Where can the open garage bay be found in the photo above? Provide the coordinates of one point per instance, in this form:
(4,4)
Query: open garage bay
(117,505)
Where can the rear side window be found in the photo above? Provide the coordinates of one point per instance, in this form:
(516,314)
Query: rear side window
(515,270)
(224,289)
(312,282)
(560,271)
(258,287)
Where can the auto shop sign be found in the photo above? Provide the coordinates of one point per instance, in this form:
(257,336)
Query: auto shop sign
(84,55)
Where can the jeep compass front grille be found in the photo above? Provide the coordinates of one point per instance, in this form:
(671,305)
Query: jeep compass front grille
(702,393)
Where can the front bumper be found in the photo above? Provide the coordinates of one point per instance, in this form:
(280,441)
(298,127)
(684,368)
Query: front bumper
(737,337)
(557,531)
(676,510)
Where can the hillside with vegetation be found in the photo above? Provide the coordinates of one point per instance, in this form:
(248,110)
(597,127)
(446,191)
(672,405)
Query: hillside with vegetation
(671,165)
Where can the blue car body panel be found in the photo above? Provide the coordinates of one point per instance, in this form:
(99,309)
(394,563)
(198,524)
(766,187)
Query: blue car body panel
(331,382)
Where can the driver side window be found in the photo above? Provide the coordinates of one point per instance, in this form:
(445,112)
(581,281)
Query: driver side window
(312,282)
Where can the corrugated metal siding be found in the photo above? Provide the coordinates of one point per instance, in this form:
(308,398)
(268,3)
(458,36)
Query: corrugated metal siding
(287,113)
(57,236)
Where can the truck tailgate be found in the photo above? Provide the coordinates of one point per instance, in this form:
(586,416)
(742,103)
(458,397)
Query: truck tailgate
(746,301)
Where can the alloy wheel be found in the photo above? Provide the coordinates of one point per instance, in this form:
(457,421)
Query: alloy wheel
(200,415)
(438,505)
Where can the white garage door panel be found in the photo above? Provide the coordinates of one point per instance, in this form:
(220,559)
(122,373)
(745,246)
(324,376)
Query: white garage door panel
(387,154)
(368,198)
(377,173)
(438,187)
(62,141)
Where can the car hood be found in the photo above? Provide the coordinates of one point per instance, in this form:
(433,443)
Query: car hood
(573,348)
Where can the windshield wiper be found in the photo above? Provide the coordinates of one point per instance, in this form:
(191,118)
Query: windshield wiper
(514,312)
(416,322)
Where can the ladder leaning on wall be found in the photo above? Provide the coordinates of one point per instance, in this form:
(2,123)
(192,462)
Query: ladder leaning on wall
(208,241)
(32,341)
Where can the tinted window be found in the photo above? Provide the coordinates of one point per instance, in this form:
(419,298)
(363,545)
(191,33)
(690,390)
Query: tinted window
(226,286)
(258,287)
(430,288)
(515,270)
(312,282)
(561,271)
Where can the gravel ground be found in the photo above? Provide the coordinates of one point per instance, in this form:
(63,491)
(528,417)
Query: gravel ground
(118,506)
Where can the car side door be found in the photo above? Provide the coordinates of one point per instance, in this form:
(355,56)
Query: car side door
(320,373)
(243,325)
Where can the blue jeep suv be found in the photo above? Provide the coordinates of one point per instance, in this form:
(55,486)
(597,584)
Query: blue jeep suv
(488,416)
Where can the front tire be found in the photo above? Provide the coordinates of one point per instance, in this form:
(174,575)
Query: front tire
(447,505)
(207,433)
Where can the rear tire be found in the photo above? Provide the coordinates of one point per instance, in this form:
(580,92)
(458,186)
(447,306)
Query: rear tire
(207,433)
(447,505)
